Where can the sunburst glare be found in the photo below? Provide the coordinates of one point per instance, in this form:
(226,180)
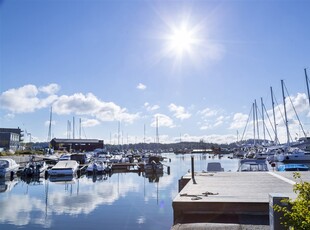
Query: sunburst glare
(182,39)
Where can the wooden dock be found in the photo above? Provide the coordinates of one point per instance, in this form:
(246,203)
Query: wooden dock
(240,198)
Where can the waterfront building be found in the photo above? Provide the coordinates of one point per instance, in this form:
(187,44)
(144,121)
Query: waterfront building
(76,145)
(10,138)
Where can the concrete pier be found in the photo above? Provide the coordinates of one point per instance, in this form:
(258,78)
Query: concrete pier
(238,198)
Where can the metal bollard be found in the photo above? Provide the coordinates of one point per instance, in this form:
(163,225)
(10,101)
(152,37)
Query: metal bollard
(193,170)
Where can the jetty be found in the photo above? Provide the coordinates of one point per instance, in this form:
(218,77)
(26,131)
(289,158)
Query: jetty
(229,200)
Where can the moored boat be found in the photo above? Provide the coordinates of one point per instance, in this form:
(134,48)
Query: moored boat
(68,167)
(35,168)
(214,167)
(292,155)
(154,165)
(293,167)
(8,167)
(252,165)
(96,167)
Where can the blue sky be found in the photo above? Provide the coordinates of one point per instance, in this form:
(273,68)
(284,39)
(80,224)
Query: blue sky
(197,66)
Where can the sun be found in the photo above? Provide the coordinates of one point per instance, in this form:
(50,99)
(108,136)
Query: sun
(182,40)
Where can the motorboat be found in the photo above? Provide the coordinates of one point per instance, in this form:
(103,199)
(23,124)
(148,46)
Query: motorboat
(35,168)
(214,167)
(96,167)
(65,157)
(8,167)
(293,167)
(68,167)
(154,165)
(252,165)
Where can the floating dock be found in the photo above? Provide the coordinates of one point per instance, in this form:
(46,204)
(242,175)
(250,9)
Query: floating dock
(237,198)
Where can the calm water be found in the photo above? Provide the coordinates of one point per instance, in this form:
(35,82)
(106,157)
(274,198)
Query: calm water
(122,201)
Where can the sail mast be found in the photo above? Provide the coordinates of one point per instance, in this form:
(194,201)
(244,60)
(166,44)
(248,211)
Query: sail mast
(274,118)
(254,132)
(49,136)
(262,104)
(256,116)
(286,122)
(307,83)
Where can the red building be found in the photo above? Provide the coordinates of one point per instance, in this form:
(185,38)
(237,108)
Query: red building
(77,145)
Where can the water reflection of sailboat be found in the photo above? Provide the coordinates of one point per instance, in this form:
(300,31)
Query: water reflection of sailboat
(31,180)
(97,177)
(153,177)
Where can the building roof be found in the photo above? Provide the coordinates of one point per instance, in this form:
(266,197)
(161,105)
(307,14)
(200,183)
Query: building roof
(77,141)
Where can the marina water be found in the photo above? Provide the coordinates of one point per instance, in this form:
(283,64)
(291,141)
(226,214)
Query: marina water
(121,201)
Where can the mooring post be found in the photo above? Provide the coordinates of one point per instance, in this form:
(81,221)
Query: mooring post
(193,171)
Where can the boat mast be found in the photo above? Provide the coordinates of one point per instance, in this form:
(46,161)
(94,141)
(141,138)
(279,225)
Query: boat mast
(286,122)
(157,137)
(262,103)
(49,136)
(254,123)
(256,120)
(274,118)
(307,83)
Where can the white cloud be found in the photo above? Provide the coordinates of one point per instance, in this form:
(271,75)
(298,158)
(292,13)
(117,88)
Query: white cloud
(213,138)
(163,121)
(208,124)
(50,89)
(219,120)
(47,123)
(27,99)
(24,99)
(151,107)
(207,112)
(89,122)
(141,86)
(239,121)
(179,111)
(90,105)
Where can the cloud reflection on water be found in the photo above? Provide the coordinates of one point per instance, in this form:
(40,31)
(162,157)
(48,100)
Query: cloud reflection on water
(68,198)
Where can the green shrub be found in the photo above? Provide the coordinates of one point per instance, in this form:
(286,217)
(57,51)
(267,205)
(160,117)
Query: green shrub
(296,215)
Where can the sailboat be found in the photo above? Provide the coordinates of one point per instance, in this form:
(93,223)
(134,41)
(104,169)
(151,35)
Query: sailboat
(290,154)
(154,164)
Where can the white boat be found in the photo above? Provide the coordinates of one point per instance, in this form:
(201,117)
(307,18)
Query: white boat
(68,167)
(252,165)
(293,155)
(8,167)
(65,157)
(96,167)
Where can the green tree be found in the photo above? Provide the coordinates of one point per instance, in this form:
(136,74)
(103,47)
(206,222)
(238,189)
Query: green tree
(296,215)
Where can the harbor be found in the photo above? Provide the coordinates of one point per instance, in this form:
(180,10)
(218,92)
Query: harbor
(182,199)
